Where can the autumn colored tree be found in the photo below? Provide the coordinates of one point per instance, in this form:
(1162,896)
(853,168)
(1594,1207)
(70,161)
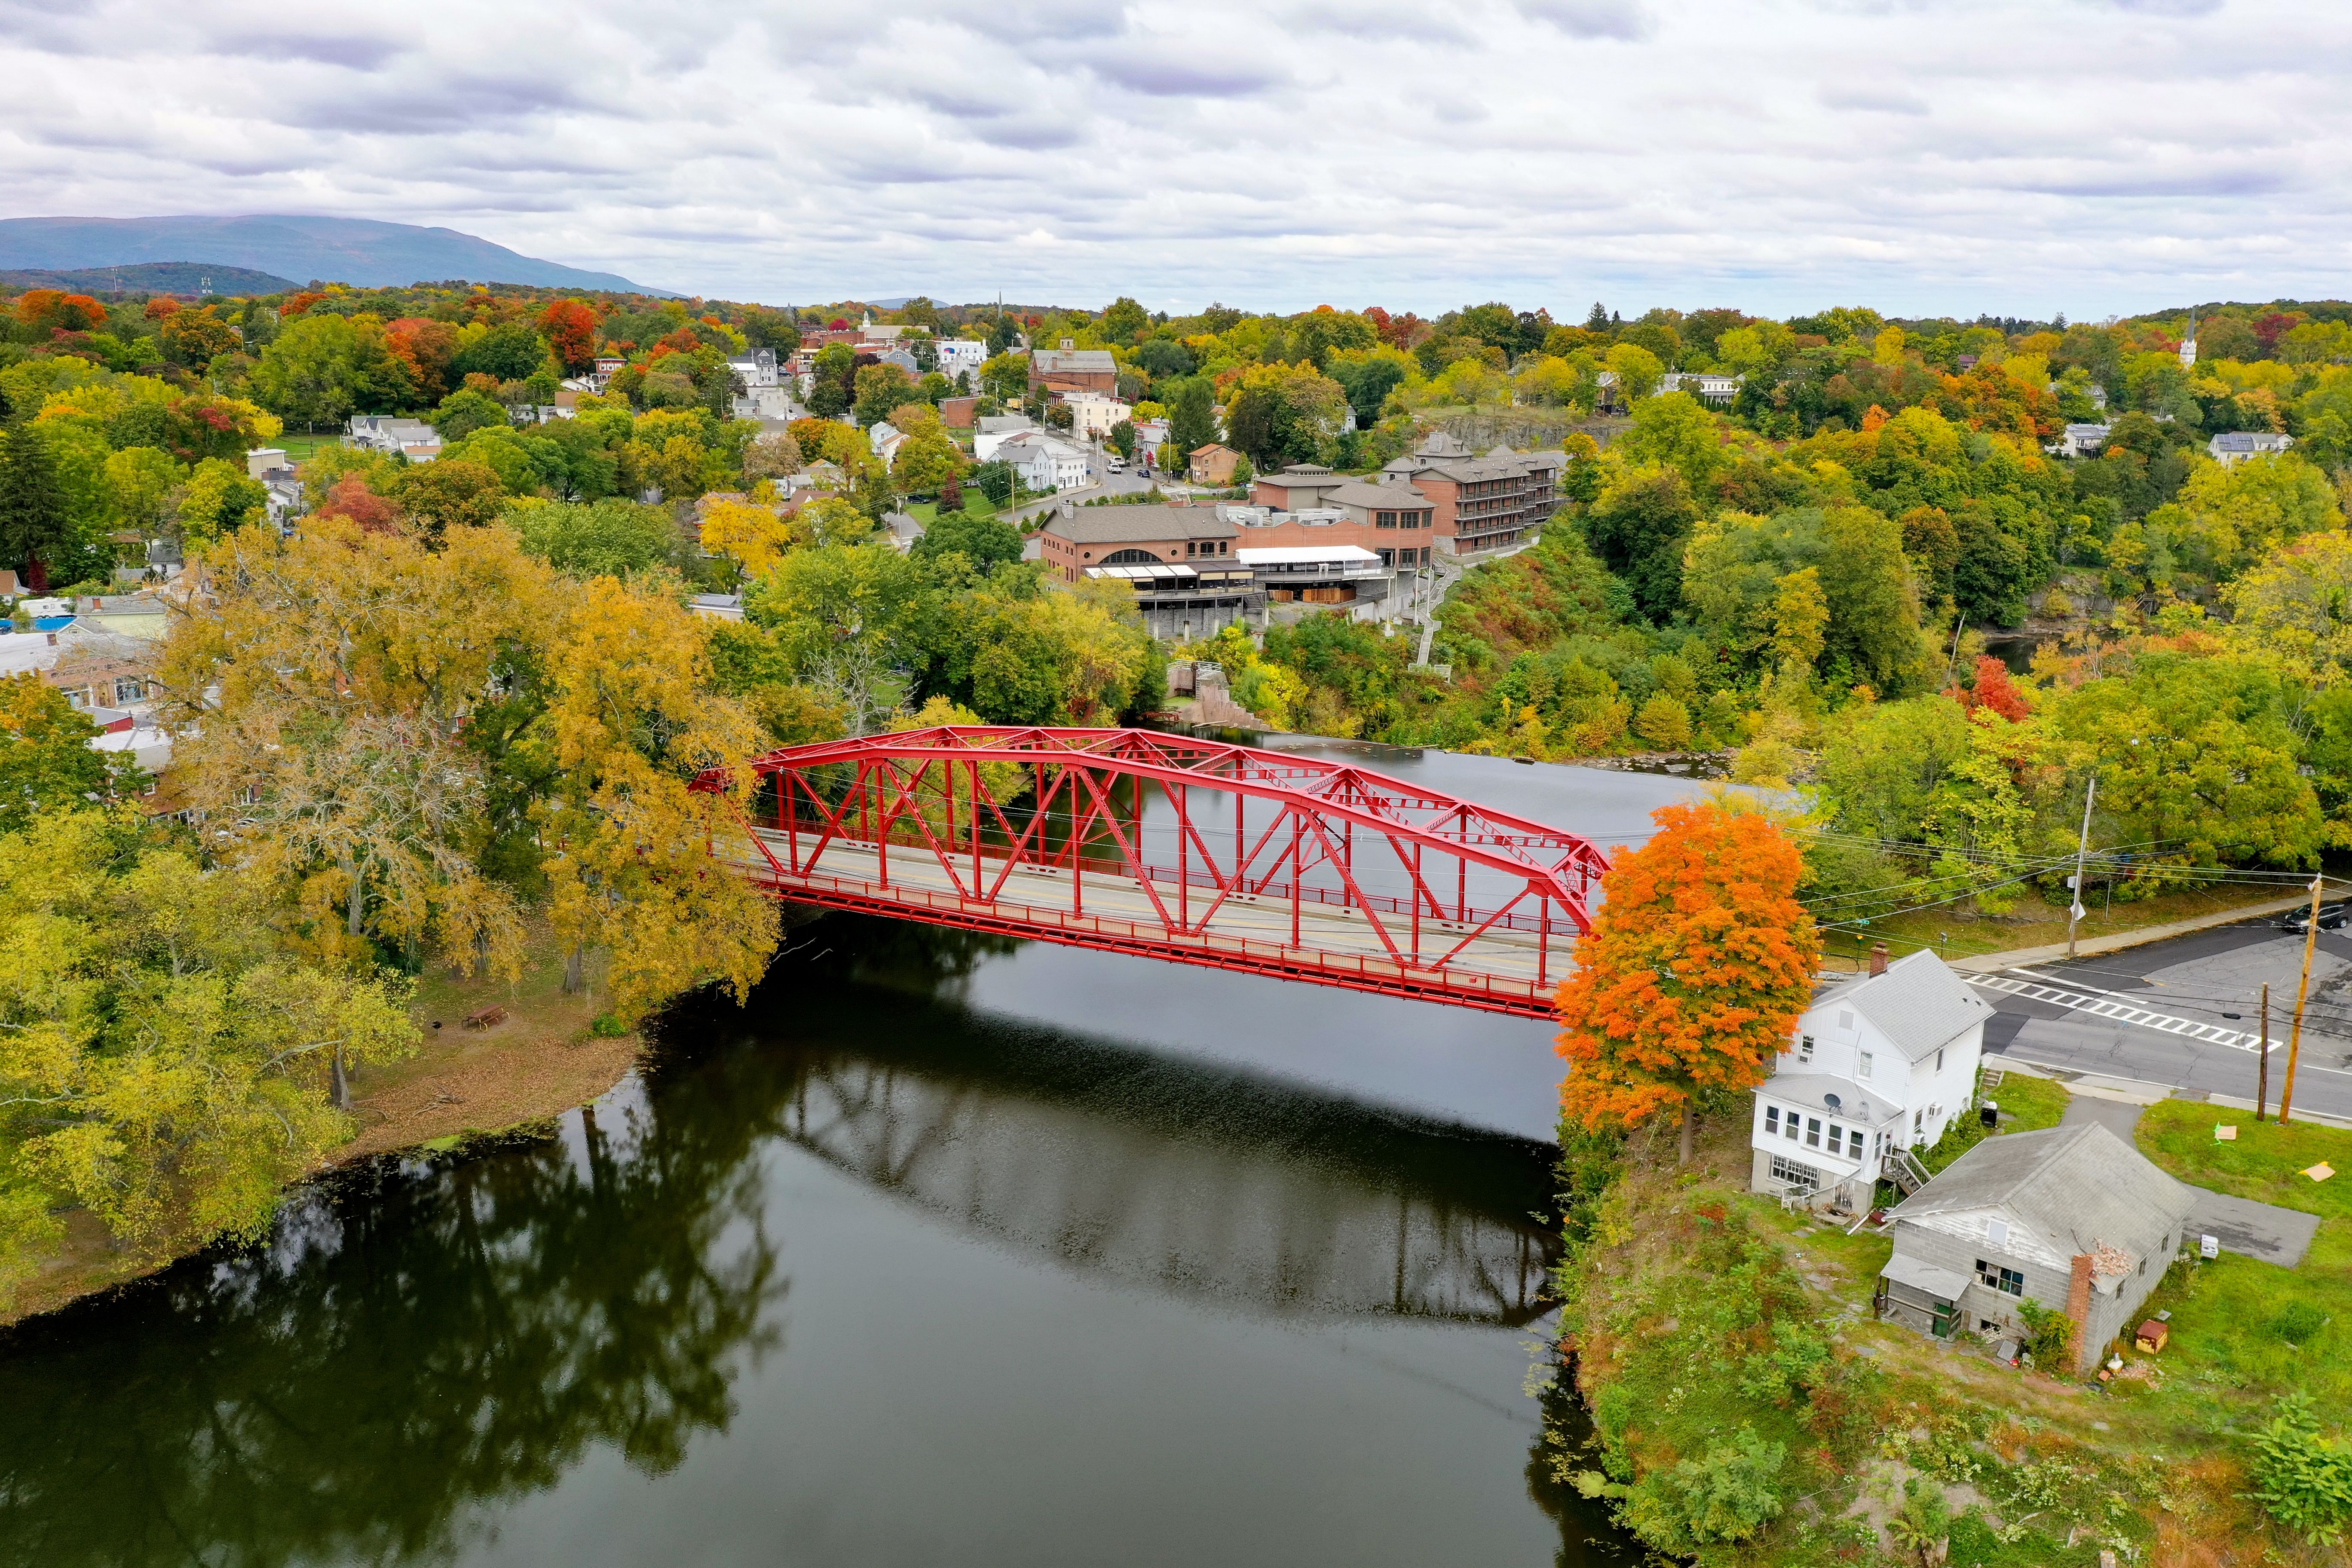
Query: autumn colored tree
(1993,690)
(351,498)
(1696,971)
(569,327)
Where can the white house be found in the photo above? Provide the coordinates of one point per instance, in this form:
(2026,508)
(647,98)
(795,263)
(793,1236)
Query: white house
(754,367)
(991,431)
(1877,1066)
(1092,413)
(960,354)
(2082,441)
(2235,446)
(886,439)
(1045,461)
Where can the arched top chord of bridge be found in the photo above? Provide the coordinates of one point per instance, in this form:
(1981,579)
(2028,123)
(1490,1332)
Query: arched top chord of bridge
(1191,850)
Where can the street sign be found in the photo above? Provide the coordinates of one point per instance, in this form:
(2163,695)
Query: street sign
(2078,911)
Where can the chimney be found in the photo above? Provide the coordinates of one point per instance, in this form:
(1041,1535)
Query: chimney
(1878,958)
(2078,1303)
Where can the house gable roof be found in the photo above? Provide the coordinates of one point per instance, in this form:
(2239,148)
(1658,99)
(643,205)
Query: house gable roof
(1140,524)
(1919,1005)
(2072,1188)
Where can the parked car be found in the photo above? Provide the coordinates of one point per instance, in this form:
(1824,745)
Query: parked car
(2332,917)
(1117,464)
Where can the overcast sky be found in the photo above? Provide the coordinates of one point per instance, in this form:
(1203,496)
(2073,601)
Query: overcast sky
(2094,156)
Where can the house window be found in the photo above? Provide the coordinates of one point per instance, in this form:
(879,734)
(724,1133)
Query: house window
(1789,1128)
(2007,1280)
(1996,1232)
(1853,1143)
(1783,1169)
(1863,1069)
(1845,1020)
(1918,1122)
(1837,1138)
(1939,1059)
(1813,1131)
(1387,519)
(1805,1049)
(1772,1118)
(130,690)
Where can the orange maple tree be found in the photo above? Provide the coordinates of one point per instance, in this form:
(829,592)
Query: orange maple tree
(571,327)
(1697,967)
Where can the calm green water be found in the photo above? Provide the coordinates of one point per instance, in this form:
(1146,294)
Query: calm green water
(874,1272)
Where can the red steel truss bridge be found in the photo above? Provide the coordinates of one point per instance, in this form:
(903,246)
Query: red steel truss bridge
(1196,851)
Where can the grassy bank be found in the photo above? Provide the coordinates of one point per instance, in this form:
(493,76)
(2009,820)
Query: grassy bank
(544,1058)
(1750,1409)
(1959,932)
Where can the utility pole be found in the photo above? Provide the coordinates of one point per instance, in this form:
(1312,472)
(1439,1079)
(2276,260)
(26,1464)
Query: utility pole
(2075,911)
(2295,1041)
(2263,1075)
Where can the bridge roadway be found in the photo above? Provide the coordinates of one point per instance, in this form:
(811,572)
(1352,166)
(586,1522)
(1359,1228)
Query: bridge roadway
(1504,970)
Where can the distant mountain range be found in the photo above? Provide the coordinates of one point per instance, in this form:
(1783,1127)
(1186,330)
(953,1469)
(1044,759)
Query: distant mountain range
(361,252)
(151,277)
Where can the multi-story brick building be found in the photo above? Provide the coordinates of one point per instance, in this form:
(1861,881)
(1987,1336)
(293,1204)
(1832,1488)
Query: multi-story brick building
(1395,522)
(1134,536)
(1480,503)
(1072,369)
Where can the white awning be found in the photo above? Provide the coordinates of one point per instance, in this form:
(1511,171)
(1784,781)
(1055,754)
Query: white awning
(1307,554)
(1939,1284)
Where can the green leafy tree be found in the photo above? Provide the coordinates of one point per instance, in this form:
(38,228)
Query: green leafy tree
(987,542)
(219,498)
(509,352)
(608,538)
(454,492)
(465,411)
(1726,1495)
(325,368)
(880,389)
(1125,321)
(46,764)
(1639,528)
(1193,417)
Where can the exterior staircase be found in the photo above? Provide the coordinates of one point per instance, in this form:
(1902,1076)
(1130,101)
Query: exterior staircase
(1902,1168)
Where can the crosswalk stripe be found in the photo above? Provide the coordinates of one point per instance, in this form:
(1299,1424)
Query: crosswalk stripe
(2122,1012)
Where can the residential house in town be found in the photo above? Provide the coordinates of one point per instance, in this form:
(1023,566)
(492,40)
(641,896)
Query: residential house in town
(1072,369)
(1046,461)
(989,431)
(1876,1067)
(1212,463)
(2080,441)
(1707,385)
(1480,503)
(958,412)
(278,476)
(412,439)
(1092,413)
(2234,446)
(2073,1218)
(886,439)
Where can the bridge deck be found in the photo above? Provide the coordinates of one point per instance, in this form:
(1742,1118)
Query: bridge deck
(1502,970)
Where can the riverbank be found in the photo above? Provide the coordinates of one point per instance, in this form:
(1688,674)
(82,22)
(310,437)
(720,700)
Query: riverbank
(1849,1412)
(542,1059)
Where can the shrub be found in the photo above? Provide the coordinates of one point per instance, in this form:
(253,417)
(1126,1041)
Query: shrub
(2303,1479)
(1725,1495)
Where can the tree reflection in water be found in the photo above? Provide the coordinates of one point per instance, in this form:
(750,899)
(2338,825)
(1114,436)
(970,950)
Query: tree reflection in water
(417,1342)
(423,1344)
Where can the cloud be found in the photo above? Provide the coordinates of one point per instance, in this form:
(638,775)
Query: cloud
(1591,18)
(1907,153)
(1872,101)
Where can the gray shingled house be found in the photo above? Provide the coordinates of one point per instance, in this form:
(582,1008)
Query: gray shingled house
(2072,1218)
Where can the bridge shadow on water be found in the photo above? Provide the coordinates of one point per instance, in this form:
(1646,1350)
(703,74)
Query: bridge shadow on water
(423,1343)
(1187,1177)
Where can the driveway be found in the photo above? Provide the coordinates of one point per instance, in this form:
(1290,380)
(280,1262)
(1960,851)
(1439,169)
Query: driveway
(2263,1231)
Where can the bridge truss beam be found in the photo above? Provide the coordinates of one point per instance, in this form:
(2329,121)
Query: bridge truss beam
(1263,861)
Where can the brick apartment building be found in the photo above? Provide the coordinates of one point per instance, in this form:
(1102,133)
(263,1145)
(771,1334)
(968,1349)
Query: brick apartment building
(1072,369)
(1480,503)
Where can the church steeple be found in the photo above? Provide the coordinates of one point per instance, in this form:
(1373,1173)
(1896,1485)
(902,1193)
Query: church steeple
(2189,343)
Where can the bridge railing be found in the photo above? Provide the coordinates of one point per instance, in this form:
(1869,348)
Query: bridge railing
(1219,949)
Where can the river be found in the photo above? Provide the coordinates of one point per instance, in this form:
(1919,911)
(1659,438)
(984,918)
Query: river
(942,1250)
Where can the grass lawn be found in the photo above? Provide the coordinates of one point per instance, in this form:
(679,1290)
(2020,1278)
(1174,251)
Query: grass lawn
(2028,1103)
(302,448)
(2032,923)
(2245,1326)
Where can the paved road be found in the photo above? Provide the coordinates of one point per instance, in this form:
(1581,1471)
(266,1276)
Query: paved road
(2200,977)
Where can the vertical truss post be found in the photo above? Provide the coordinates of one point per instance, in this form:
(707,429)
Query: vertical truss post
(1543,941)
(1179,797)
(1417,892)
(1297,874)
(976,883)
(882,839)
